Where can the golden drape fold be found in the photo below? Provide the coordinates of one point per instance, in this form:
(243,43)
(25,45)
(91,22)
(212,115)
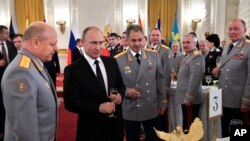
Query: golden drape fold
(166,10)
(28,11)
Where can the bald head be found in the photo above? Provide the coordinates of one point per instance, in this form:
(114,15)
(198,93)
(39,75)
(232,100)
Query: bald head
(40,39)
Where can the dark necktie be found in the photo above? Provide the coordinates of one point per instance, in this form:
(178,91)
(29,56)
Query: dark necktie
(230,48)
(4,52)
(99,75)
(175,55)
(80,51)
(137,55)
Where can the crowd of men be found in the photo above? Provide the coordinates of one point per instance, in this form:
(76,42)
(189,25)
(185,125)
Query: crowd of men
(141,74)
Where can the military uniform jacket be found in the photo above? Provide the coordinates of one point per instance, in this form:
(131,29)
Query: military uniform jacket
(148,76)
(189,78)
(211,60)
(235,75)
(29,99)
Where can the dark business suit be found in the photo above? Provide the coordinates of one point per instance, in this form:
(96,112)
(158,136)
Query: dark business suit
(117,49)
(83,95)
(53,67)
(75,54)
(12,52)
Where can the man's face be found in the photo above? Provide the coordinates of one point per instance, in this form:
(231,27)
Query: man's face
(93,43)
(124,40)
(188,44)
(155,37)
(113,40)
(203,47)
(18,42)
(236,30)
(135,41)
(175,47)
(4,35)
(79,44)
(47,46)
(223,43)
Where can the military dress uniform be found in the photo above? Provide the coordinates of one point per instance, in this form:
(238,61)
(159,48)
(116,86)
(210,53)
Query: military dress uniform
(30,100)
(234,79)
(210,60)
(189,86)
(148,76)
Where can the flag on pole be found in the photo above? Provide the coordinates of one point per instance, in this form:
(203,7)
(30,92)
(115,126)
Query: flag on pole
(158,24)
(139,21)
(74,34)
(13,28)
(174,36)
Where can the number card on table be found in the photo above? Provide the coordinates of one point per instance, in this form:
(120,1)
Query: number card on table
(215,103)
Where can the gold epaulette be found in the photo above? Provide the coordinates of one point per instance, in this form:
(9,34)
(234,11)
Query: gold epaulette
(196,52)
(164,46)
(25,62)
(149,50)
(247,41)
(120,54)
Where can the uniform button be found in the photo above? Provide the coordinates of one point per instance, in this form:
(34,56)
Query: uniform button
(221,69)
(136,85)
(227,69)
(225,86)
(147,91)
(148,98)
(226,78)
(146,84)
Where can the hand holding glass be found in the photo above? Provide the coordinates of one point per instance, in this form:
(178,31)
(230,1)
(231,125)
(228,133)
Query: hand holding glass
(137,88)
(113,93)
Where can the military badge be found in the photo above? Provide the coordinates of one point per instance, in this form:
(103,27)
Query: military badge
(21,86)
(239,56)
(127,69)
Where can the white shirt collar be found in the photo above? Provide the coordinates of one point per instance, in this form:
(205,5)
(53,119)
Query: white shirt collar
(91,61)
(134,53)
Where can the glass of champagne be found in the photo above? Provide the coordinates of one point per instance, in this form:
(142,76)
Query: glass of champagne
(113,93)
(173,78)
(208,79)
(137,88)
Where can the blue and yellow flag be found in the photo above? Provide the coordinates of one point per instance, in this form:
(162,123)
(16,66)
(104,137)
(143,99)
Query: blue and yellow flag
(175,36)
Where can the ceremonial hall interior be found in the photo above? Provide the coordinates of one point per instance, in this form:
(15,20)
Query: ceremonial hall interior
(174,18)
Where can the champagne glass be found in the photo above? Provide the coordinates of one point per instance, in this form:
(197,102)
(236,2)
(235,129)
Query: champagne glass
(137,88)
(113,93)
(208,79)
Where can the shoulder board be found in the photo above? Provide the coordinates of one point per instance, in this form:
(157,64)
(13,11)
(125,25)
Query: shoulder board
(120,54)
(196,52)
(25,62)
(247,41)
(164,46)
(149,50)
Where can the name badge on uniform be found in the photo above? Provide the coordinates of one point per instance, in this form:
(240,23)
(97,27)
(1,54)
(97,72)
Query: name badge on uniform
(127,69)
(239,56)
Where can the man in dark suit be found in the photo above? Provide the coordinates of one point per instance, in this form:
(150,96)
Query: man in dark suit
(7,54)
(77,52)
(87,83)
(53,67)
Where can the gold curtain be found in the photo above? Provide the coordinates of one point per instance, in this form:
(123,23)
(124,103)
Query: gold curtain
(165,9)
(28,11)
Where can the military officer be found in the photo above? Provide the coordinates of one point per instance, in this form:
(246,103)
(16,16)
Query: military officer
(234,76)
(189,78)
(28,92)
(145,92)
(213,43)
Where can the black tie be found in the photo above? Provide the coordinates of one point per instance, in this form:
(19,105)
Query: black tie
(99,75)
(4,52)
(175,55)
(230,48)
(137,55)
